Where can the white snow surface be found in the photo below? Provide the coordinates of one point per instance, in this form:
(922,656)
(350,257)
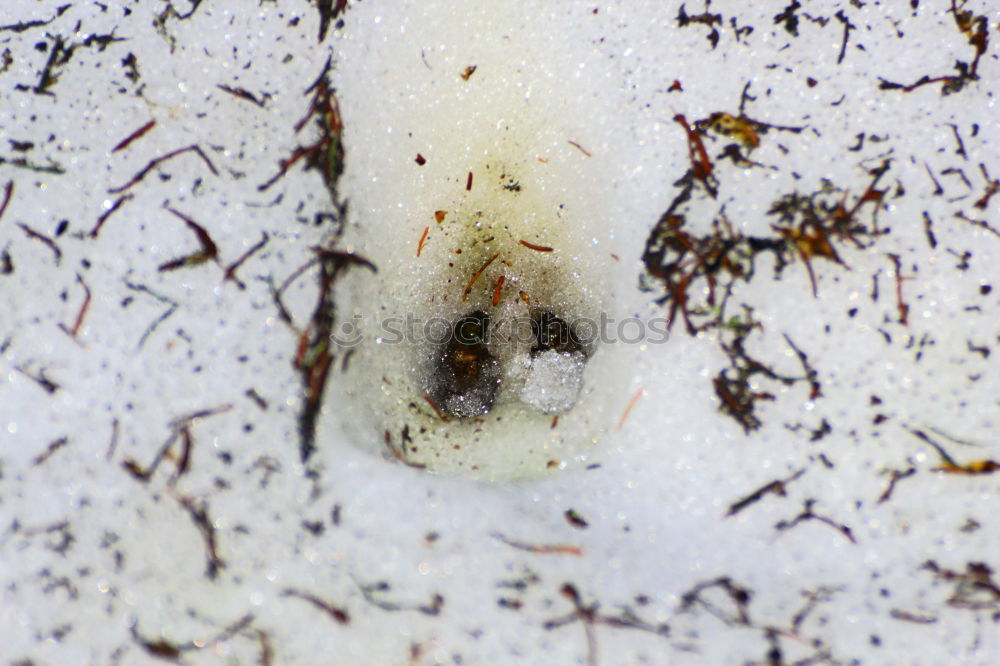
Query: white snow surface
(618,535)
(554,381)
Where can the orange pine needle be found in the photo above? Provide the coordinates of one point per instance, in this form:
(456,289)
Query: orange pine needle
(540,548)
(537,248)
(497,289)
(628,408)
(423,237)
(472,280)
(437,410)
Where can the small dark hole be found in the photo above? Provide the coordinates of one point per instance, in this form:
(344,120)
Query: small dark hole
(552,332)
(466,375)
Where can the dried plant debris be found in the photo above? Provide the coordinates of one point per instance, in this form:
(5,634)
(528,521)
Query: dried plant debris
(43,457)
(156,162)
(713,22)
(735,385)
(975,28)
(895,476)
(181,457)
(540,548)
(314,356)
(574,518)
(60,53)
(39,377)
(338,614)
(328,11)
(377,594)
(8,193)
(42,238)
(325,154)
(96,230)
(207,251)
(172,651)
(198,511)
(58,538)
(734,608)
(700,256)
(974,589)
(244,94)
(401,452)
(23,26)
(792,642)
(161,22)
(134,136)
(171,308)
(950,465)
(26,164)
(776,487)
(589,616)
(807,514)
(807,227)
(230,273)
(700,271)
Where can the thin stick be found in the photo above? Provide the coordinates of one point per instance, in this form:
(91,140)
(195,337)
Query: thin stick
(536,248)
(423,237)
(472,280)
(628,408)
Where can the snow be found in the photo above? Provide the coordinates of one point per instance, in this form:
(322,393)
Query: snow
(647,525)
(554,381)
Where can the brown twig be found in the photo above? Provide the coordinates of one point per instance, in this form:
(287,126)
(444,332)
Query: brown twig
(540,549)
(778,487)
(138,177)
(230,273)
(121,145)
(78,322)
(48,242)
(580,148)
(536,248)
(423,237)
(338,614)
(639,393)
(8,192)
(106,214)
(475,276)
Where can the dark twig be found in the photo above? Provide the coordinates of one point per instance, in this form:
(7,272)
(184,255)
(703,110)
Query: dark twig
(160,160)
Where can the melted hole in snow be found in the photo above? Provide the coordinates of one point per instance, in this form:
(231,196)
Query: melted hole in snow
(467,371)
(479,351)
(477,354)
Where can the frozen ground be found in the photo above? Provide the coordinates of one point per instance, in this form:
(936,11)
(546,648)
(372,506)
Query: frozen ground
(809,481)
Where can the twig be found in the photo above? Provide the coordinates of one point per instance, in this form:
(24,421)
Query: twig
(133,136)
(230,273)
(778,487)
(540,549)
(8,192)
(106,214)
(338,614)
(475,276)
(160,160)
(78,322)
